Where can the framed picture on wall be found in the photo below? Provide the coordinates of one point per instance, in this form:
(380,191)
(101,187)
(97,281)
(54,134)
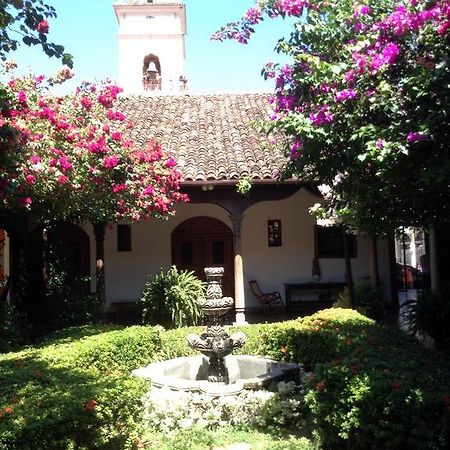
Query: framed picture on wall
(274,233)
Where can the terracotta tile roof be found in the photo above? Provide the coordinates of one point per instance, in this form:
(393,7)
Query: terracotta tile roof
(210,136)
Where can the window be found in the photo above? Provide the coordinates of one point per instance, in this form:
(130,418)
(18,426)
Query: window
(124,238)
(330,242)
(274,233)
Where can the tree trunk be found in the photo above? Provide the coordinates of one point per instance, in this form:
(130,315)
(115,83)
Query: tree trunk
(348,270)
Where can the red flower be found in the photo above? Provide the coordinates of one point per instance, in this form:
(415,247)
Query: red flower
(42,27)
(90,405)
(320,386)
(395,385)
(8,410)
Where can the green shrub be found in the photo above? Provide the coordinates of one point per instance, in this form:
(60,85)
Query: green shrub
(75,392)
(173,296)
(367,298)
(430,314)
(368,387)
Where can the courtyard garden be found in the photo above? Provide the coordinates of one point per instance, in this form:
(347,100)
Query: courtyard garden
(363,386)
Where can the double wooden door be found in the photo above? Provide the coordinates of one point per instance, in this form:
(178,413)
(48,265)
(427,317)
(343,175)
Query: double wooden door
(205,242)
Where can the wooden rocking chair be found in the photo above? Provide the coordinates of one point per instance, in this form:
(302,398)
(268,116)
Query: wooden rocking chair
(269,300)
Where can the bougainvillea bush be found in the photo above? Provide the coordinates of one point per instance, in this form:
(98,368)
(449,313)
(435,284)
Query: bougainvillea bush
(364,106)
(366,387)
(68,157)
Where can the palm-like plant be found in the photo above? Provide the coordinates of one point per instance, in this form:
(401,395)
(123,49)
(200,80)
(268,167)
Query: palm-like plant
(173,296)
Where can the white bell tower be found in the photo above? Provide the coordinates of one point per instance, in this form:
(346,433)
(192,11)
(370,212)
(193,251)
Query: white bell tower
(151,42)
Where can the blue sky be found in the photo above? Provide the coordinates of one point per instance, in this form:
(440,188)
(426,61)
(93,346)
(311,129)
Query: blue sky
(87,29)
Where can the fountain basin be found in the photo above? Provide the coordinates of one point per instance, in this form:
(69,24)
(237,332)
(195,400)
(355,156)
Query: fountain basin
(244,372)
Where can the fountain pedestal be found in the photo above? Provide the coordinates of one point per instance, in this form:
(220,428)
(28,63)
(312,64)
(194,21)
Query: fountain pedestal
(215,343)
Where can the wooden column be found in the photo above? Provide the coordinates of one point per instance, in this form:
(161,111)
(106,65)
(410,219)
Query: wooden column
(239,296)
(99,233)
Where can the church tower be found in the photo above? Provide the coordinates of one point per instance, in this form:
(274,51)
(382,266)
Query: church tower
(151,42)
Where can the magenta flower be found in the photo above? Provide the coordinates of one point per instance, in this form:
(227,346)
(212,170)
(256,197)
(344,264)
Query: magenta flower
(62,179)
(24,201)
(346,94)
(443,27)
(118,188)
(149,190)
(65,164)
(35,159)
(170,163)
(323,116)
(292,7)
(42,27)
(86,103)
(116,136)
(417,137)
(253,15)
(110,161)
(30,179)
(380,143)
(22,97)
(296,148)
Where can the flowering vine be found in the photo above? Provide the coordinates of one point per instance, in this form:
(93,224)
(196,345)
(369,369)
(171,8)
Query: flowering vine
(366,95)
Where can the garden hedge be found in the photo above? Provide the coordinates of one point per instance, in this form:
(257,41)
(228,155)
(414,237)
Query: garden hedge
(368,387)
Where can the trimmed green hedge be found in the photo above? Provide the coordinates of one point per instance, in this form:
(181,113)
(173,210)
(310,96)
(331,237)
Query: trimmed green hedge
(74,391)
(369,387)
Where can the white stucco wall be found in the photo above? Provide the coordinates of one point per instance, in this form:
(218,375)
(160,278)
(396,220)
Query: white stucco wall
(292,262)
(127,272)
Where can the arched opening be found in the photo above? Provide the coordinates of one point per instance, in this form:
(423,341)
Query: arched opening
(151,73)
(204,242)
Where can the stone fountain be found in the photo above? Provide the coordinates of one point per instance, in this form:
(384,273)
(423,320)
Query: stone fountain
(218,371)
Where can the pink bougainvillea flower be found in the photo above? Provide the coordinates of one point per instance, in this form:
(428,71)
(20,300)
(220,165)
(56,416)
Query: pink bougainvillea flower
(24,201)
(86,103)
(62,179)
(110,161)
(118,188)
(22,97)
(346,94)
(42,27)
(253,15)
(296,148)
(417,137)
(30,179)
(170,163)
(149,190)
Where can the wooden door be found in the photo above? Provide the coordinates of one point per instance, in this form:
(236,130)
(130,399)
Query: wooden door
(205,242)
